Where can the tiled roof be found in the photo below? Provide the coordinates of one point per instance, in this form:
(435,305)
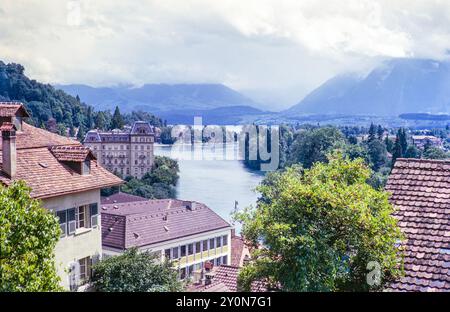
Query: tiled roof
(225,280)
(38,159)
(48,177)
(121,198)
(32,137)
(421,195)
(141,223)
(72,153)
(12,109)
(238,251)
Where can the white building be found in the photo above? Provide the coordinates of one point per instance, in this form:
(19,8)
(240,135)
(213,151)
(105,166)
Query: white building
(186,232)
(66,177)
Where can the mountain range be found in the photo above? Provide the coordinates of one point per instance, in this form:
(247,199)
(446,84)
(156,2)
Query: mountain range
(177,103)
(395,87)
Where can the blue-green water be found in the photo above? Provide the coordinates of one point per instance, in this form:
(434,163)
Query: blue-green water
(211,180)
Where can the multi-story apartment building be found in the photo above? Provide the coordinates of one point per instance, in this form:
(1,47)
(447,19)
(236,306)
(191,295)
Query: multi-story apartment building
(188,233)
(65,176)
(128,152)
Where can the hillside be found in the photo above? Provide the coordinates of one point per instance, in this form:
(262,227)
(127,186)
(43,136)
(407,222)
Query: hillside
(42,101)
(395,87)
(160,97)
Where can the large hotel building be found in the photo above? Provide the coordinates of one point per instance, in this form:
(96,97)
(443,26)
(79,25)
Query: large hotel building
(128,152)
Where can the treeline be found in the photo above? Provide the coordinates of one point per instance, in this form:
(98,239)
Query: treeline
(59,112)
(157,184)
(378,146)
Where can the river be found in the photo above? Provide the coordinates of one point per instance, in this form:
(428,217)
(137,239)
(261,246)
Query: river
(208,177)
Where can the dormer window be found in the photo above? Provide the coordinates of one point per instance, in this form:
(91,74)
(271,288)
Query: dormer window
(77,158)
(18,123)
(86,167)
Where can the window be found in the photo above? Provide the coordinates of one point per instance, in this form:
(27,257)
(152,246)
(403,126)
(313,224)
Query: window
(93,211)
(224,240)
(183,251)
(81,217)
(190,270)
(183,273)
(211,243)
(71,221)
(197,247)
(225,260)
(85,269)
(86,167)
(219,242)
(205,245)
(190,249)
(175,253)
(62,216)
(167,253)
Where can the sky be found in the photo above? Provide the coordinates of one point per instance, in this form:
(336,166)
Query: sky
(275,51)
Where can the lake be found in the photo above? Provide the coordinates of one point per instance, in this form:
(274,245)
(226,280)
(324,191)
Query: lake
(207,178)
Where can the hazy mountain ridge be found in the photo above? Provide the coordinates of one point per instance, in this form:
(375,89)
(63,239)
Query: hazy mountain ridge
(395,87)
(160,97)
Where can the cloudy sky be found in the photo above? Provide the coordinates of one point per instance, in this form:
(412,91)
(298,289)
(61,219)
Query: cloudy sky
(275,51)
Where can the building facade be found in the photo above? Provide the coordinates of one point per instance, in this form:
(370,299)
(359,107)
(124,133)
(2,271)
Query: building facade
(128,152)
(65,176)
(420,141)
(188,233)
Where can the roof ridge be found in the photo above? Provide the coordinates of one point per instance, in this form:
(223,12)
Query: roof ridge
(421,160)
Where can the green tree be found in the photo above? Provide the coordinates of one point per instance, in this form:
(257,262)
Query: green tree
(164,170)
(377,153)
(117,121)
(372,133)
(389,144)
(135,271)
(312,146)
(100,121)
(81,133)
(412,152)
(403,139)
(398,150)
(89,118)
(28,236)
(318,229)
(435,153)
(380,132)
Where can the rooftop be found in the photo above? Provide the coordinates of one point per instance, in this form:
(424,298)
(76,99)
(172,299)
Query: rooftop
(42,160)
(120,136)
(121,198)
(225,280)
(146,222)
(71,153)
(421,195)
(32,137)
(10,109)
(239,251)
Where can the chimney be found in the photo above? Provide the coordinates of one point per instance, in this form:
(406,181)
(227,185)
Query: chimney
(191,205)
(9,156)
